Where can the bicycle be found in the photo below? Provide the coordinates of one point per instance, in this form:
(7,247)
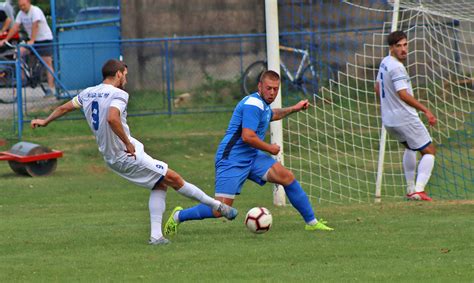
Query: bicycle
(305,79)
(33,71)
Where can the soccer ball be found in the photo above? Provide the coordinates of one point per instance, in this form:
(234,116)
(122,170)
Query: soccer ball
(258,220)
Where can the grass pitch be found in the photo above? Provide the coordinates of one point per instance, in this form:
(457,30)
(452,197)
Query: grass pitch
(84,223)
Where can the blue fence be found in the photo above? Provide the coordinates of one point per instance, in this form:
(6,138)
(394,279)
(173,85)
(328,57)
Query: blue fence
(196,73)
(183,74)
(166,75)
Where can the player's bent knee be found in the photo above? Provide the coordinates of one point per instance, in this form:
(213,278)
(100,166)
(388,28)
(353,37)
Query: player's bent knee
(173,179)
(431,149)
(288,178)
(161,186)
(280,175)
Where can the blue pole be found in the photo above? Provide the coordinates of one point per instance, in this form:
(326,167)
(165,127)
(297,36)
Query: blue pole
(53,18)
(19,98)
(55,36)
(119,4)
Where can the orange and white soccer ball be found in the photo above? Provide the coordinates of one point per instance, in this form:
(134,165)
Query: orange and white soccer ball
(258,220)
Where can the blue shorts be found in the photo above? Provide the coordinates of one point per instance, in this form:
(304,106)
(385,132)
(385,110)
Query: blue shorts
(231,175)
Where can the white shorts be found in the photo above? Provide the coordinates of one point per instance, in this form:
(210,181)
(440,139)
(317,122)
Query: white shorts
(143,171)
(415,134)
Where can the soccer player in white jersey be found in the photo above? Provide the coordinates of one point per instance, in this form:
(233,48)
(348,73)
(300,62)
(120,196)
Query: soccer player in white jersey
(400,117)
(105,109)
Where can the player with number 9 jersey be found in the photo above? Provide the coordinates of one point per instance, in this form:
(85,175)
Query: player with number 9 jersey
(95,102)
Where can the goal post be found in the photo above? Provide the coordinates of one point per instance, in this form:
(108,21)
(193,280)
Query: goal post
(383,132)
(273,59)
(337,149)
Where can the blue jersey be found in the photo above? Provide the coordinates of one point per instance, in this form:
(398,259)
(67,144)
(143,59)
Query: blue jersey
(253,113)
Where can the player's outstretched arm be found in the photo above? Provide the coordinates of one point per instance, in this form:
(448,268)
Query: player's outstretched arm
(280,113)
(410,100)
(58,112)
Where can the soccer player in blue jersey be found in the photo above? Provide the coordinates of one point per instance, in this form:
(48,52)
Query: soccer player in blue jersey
(240,156)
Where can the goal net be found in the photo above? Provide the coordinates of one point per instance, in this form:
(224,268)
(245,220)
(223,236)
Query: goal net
(333,148)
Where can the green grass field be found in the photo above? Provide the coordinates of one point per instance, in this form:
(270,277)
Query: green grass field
(84,223)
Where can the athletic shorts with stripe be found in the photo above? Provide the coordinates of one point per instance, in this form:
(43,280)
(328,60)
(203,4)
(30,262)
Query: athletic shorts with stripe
(414,134)
(144,171)
(231,175)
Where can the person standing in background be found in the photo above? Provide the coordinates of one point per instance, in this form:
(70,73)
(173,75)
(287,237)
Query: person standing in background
(40,35)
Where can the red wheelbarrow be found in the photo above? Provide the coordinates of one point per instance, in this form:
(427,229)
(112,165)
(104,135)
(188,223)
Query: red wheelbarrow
(31,159)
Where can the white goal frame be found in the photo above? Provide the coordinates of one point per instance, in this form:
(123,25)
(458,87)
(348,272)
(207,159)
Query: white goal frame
(383,134)
(273,59)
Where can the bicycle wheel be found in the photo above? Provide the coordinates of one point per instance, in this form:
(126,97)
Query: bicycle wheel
(308,83)
(7,79)
(36,70)
(7,90)
(251,76)
(39,76)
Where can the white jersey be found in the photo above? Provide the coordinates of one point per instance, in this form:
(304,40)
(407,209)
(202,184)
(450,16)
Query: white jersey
(393,77)
(96,101)
(27,19)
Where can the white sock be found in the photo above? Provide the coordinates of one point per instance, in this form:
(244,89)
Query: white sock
(424,172)
(157,205)
(191,191)
(409,167)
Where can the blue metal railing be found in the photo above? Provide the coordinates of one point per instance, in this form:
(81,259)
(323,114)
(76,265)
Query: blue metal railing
(165,47)
(18,93)
(89,23)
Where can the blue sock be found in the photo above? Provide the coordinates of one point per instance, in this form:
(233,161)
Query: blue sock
(300,200)
(198,212)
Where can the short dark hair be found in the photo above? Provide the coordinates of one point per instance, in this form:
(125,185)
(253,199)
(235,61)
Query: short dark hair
(111,67)
(272,75)
(395,37)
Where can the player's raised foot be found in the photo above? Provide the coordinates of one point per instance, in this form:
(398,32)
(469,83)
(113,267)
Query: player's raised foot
(171,226)
(227,211)
(318,226)
(419,196)
(160,241)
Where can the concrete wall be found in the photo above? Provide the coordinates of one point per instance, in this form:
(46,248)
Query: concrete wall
(191,62)
(167,18)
